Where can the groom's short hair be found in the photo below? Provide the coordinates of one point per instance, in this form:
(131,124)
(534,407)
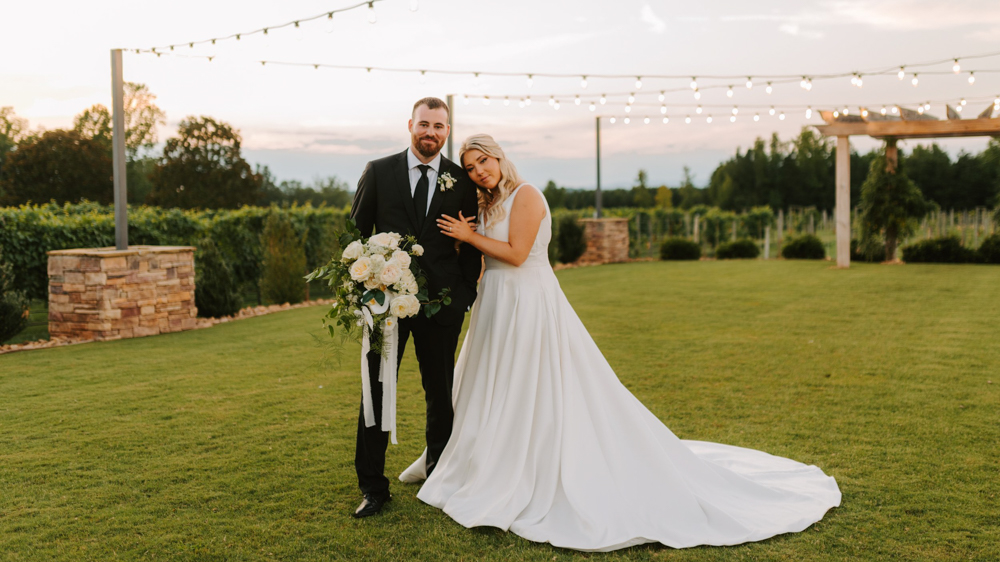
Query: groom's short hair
(431,103)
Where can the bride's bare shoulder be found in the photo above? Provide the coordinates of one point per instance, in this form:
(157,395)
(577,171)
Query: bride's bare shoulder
(529,198)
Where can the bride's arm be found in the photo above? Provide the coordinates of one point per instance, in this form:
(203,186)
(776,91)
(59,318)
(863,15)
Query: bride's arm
(526,215)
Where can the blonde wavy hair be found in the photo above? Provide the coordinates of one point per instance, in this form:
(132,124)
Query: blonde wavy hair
(491,209)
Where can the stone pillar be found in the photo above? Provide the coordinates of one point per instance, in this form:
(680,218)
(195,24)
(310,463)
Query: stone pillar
(843,202)
(109,294)
(607,240)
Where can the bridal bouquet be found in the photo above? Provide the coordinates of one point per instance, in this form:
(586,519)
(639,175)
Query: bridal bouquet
(376,281)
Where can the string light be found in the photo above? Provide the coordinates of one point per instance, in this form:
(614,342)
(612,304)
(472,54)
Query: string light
(957,67)
(972,78)
(486,100)
(694,83)
(895,109)
(577,100)
(697,94)
(920,110)
(465,99)
(729,92)
(612,120)
(475,79)
(749,82)
(771,111)
(552,100)
(556,105)
(698,110)
(756,117)
(527,100)
(883,110)
(506,101)
(809,113)
(592,106)
(628,109)
(687,120)
(732,118)
(962,102)
(520,103)
(902,73)
(645,121)
(372,18)
(958,109)
(915,80)
(627,120)
(768,89)
(735,110)
(662,96)
(805,84)
(631,98)
(781,116)
(638,82)
(847,110)
(927,106)
(423,76)
(530,80)
(583,82)
(666,120)
(663,110)
(864,113)
(604,99)
(836,114)
(709,119)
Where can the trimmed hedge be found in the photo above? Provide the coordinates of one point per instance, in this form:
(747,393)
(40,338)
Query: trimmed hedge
(679,249)
(13,305)
(570,239)
(737,249)
(29,231)
(989,250)
(947,249)
(805,247)
(215,290)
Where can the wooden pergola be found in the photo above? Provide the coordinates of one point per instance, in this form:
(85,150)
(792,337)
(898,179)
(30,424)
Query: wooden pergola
(908,124)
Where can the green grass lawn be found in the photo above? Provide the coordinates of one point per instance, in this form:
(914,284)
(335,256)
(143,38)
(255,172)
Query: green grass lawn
(237,442)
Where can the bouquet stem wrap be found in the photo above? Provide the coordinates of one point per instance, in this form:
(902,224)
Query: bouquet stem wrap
(386,376)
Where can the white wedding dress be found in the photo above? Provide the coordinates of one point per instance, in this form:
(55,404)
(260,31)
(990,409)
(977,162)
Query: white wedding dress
(548,444)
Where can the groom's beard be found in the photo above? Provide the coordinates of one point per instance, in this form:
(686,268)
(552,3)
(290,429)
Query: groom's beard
(428,147)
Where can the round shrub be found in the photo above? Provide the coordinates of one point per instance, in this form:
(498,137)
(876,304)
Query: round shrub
(570,240)
(679,249)
(989,251)
(14,310)
(873,254)
(947,249)
(215,289)
(805,247)
(737,249)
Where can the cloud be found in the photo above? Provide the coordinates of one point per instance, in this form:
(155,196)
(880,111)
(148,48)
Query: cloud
(908,15)
(795,30)
(656,25)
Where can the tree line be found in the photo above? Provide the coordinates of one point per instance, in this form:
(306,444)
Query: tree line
(202,167)
(801,173)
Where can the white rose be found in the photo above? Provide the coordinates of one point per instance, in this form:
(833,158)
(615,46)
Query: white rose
(404,306)
(361,270)
(417,250)
(353,251)
(372,283)
(391,272)
(381,239)
(402,258)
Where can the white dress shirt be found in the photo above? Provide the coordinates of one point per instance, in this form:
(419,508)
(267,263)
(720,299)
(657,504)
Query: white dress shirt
(432,175)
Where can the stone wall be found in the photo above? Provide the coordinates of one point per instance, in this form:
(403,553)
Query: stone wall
(109,294)
(607,240)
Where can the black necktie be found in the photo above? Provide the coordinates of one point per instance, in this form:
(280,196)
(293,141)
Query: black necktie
(420,196)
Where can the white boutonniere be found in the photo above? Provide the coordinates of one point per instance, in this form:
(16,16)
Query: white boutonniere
(446,182)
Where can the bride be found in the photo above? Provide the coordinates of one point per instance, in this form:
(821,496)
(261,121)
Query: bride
(548,444)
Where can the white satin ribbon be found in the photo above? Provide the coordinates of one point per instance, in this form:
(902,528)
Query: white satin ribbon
(386,374)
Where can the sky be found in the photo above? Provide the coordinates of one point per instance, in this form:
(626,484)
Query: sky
(304,123)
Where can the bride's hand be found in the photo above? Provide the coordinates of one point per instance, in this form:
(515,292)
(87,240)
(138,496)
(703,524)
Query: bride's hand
(460,229)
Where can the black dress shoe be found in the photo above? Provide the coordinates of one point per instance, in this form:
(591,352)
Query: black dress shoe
(370,506)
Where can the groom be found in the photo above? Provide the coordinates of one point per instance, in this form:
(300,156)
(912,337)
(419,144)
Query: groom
(402,193)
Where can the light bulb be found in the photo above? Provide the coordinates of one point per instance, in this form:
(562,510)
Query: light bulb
(957,67)
(627,120)
(729,92)
(927,106)
(583,82)
(962,102)
(854,80)
(847,111)
(552,100)
(697,94)
(802,83)
(749,83)
(895,109)
(527,101)
(577,100)
(486,100)
(592,106)
(506,101)
(368,75)
(694,83)
(708,119)
(604,99)
(475,79)
(735,110)
(756,117)
(883,110)
(628,109)
(861,82)
(423,76)
(809,84)
(638,82)
(771,111)
(836,114)
(864,113)
(521,104)
(663,110)
(809,113)
(413,5)
(666,120)
(769,89)
(901,74)
(958,109)
(687,120)
(732,118)
(465,99)
(920,110)
(915,81)
(662,96)
(556,105)
(530,80)
(781,116)
(372,18)
(972,78)
(631,99)
(613,120)
(645,121)
(698,110)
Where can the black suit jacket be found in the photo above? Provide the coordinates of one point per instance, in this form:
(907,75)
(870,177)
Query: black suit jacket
(383,203)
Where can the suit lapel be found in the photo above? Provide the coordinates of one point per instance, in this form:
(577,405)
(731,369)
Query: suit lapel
(403,186)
